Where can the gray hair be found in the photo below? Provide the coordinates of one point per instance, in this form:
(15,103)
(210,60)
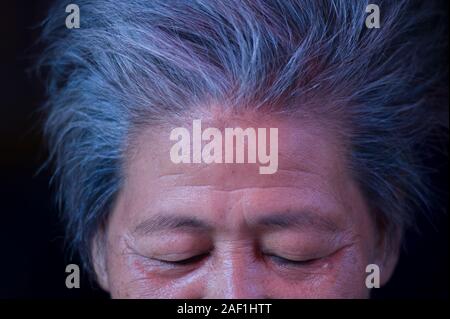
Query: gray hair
(136,61)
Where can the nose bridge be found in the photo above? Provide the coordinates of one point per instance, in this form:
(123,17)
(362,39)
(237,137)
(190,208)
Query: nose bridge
(235,272)
(235,276)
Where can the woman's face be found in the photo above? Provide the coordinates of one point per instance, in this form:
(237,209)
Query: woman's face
(226,231)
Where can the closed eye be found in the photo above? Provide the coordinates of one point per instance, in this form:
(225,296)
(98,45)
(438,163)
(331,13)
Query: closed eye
(289,262)
(186,261)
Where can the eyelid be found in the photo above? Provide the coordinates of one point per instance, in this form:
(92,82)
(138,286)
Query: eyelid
(297,256)
(185,261)
(281,259)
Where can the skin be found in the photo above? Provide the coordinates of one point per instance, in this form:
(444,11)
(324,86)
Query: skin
(226,231)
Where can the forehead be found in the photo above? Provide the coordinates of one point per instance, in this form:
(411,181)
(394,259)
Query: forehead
(303,146)
(311,174)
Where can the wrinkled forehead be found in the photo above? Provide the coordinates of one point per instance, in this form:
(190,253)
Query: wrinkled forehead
(302,145)
(311,173)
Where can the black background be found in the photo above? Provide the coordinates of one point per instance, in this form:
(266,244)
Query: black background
(32,260)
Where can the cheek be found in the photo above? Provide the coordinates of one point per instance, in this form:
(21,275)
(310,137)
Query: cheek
(343,277)
(129,277)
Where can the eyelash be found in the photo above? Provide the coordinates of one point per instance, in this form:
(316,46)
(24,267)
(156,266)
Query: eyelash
(187,261)
(277,259)
(288,262)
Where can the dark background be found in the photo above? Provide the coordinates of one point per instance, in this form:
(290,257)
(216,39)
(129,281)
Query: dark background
(32,259)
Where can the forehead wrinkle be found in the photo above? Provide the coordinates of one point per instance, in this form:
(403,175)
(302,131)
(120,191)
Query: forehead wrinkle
(298,220)
(170,222)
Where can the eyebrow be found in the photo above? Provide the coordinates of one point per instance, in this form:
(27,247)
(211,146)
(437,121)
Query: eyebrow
(170,222)
(273,221)
(302,220)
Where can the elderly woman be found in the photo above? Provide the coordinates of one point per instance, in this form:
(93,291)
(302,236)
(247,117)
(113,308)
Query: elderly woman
(158,206)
